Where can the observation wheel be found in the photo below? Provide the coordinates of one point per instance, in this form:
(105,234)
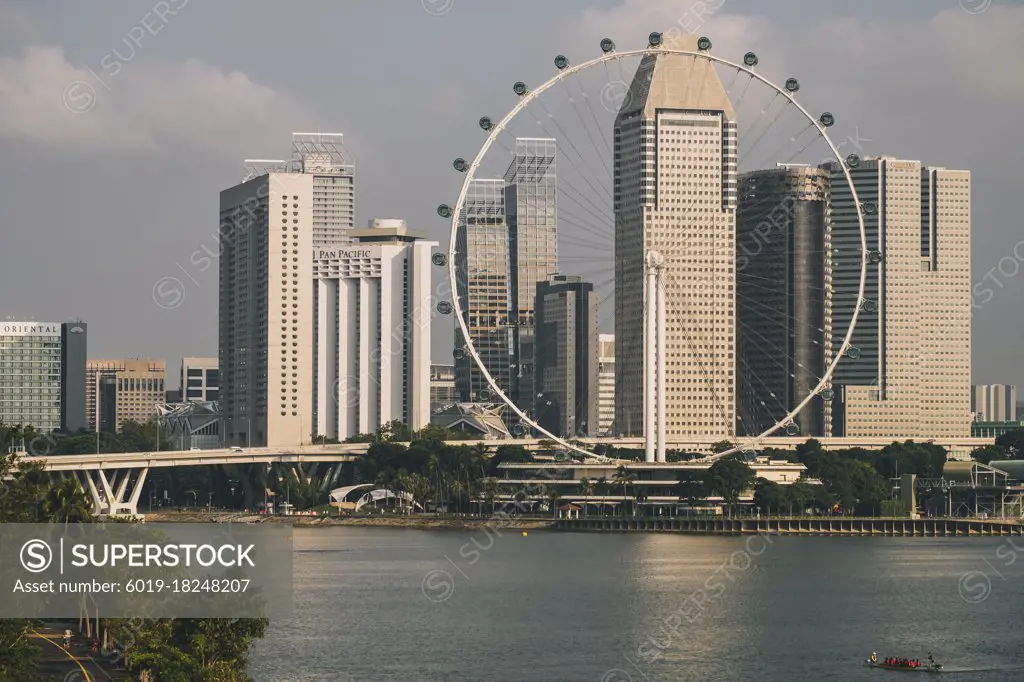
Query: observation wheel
(685,204)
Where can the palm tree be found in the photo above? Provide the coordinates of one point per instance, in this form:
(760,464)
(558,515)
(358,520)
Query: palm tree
(66,502)
(601,487)
(624,477)
(586,489)
(553,496)
(489,487)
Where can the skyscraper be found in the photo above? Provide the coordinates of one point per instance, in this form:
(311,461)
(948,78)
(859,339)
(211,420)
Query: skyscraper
(566,403)
(270,224)
(483,288)
(73,361)
(372,317)
(531,209)
(911,374)
(675,194)
(781,302)
(266,324)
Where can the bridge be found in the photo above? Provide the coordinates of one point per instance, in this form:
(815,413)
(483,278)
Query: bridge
(114,481)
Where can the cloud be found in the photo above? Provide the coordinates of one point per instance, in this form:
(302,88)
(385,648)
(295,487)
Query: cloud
(146,106)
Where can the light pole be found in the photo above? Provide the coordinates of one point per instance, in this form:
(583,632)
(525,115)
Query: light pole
(209,501)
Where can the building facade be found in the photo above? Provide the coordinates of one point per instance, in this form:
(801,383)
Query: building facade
(200,380)
(123,390)
(265,316)
(531,206)
(372,319)
(910,373)
(605,384)
(30,375)
(73,360)
(675,160)
(483,287)
(442,386)
(783,338)
(566,403)
(994,403)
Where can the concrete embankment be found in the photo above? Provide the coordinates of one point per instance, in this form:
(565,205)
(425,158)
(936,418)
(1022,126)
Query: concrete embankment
(893,527)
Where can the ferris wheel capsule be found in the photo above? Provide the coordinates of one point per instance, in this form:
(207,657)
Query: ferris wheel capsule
(519,88)
(460,165)
(853,352)
(485,123)
(439,259)
(655,39)
(852,160)
(444,307)
(561,62)
(870,207)
(444,210)
(827,394)
(704,43)
(827,119)
(792,84)
(874,257)
(750,59)
(607,45)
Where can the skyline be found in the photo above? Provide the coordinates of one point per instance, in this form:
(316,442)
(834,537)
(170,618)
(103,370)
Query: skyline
(169,169)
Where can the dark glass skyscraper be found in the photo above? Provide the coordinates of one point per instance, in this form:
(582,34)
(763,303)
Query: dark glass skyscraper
(781,263)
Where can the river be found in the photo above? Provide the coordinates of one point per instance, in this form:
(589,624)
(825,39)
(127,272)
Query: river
(390,605)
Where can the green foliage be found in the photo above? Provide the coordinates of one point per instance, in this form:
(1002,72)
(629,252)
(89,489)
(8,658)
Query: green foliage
(190,650)
(1013,443)
(692,486)
(730,478)
(989,453)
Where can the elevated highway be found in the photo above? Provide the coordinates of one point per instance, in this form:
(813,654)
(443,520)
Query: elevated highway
(115,480)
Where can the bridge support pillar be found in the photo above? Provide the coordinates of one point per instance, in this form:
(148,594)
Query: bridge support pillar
(111,500)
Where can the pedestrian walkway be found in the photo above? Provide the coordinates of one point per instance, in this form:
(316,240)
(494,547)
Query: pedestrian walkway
(77,664)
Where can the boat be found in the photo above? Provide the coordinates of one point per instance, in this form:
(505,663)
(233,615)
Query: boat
(925,667)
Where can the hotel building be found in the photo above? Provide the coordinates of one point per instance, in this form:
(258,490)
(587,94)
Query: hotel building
(372,309)
(30,375)
(117,391)
(909,376)
(200,380)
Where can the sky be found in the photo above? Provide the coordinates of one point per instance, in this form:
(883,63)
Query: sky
(120,123)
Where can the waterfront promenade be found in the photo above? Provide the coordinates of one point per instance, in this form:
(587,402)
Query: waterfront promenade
(801,525)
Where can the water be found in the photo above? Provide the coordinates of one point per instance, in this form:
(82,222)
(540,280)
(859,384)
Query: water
(381,604)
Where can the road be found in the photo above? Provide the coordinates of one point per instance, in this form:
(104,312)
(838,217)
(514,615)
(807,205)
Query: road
(75,665)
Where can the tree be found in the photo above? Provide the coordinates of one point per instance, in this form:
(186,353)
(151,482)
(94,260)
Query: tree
(730,478)
(989,453)
(1013,443)
(625,478)
(586,489)
(769,495)
(66,502)
(722,446)
(692,486)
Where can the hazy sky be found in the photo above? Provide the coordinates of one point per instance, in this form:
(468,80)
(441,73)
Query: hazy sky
(97,206)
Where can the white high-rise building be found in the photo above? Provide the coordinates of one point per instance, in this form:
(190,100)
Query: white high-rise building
(994,403)
(675,200)
(912,374)
(269,225)
(266,318)
(605,384)
(372,313)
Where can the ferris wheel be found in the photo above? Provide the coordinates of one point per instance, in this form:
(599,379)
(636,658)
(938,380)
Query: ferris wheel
(710,247)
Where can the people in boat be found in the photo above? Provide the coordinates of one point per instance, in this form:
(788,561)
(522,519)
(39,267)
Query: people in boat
(874,657)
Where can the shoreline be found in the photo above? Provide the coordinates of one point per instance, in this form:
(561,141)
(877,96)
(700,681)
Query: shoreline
(792,526)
